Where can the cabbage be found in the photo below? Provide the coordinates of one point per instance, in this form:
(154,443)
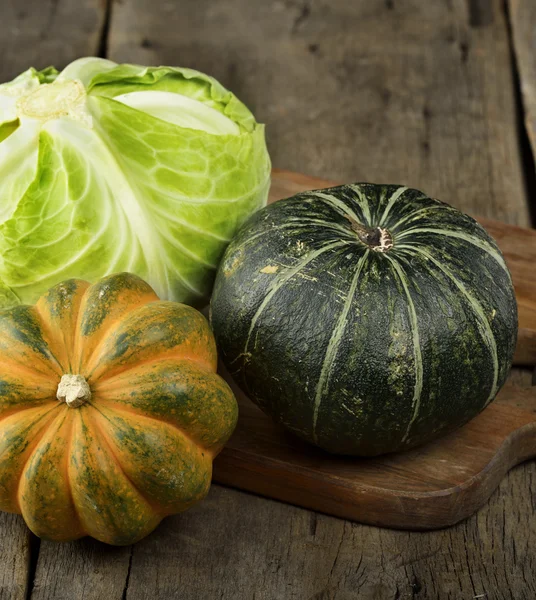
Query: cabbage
(107,168)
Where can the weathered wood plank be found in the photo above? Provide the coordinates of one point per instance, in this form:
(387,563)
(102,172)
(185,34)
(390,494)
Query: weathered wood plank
(237,546)
(82,570)
(410,92)
(523,24)
(38,33)
(14,557)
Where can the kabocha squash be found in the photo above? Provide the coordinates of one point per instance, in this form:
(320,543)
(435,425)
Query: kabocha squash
(111,410)
(365,318)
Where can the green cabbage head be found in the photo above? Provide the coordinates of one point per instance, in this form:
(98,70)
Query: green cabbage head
(107,168)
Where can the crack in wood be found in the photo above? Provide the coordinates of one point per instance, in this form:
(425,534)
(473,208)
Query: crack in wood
(127,580)
(105,30)
(525,147)
(480,13)
(50,19)
(34,545)
(303,15)
(464,51)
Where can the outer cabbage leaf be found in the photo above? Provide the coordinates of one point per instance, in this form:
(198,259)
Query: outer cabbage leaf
(188,82)
(149,170)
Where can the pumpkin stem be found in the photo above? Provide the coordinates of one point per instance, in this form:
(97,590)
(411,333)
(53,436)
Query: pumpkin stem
(74,390)
(376,238)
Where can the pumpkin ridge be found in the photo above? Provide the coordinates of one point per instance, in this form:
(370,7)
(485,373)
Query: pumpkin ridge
(291,224)
(77,333)
(99,520)
(280,282)
(314,222)
(334,343)
(140,292)
(14,454)
(58,312)
(44,486)
(103,335)
(392,199)
(121,370)
(175,479)
(488,248)
(110,380)
(5,415)
(25,319)
(35,443)
(15,368)
(412,215)
(68,453)
(104,436)
(361,201)
(485,331)
(417,355)
(49,337)
(130,410)
(168,315)
(340,207)
(165,508)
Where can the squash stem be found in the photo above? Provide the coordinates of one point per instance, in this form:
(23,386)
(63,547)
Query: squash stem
(376,238)
(73,390)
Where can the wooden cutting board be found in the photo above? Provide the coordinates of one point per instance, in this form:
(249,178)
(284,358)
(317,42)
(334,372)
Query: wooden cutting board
(430,487)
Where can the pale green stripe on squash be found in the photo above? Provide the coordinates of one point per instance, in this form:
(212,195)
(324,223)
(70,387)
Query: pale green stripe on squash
(334,343)
(363,202)
(462,236)
(394,197)
(280,281)
(482,321)
(431,210)
(337,205)
(419,371)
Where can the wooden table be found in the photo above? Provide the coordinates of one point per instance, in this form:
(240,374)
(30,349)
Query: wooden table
(434,94)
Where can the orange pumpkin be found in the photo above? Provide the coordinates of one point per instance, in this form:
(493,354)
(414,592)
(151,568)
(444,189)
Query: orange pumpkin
(111,410)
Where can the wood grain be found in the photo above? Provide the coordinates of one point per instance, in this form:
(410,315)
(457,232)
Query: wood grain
(523,23)
(14,557)
(39,33)
(81,570)
(237,546)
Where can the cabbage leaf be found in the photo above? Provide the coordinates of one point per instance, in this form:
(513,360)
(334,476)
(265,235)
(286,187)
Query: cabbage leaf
(107,168)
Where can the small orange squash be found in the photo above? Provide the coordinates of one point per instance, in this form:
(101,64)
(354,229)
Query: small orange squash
(111,410)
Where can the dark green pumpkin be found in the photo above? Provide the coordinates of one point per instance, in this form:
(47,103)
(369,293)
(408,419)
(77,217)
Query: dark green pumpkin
(365,318)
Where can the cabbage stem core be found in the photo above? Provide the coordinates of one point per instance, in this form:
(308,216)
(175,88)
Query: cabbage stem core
(53,100)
